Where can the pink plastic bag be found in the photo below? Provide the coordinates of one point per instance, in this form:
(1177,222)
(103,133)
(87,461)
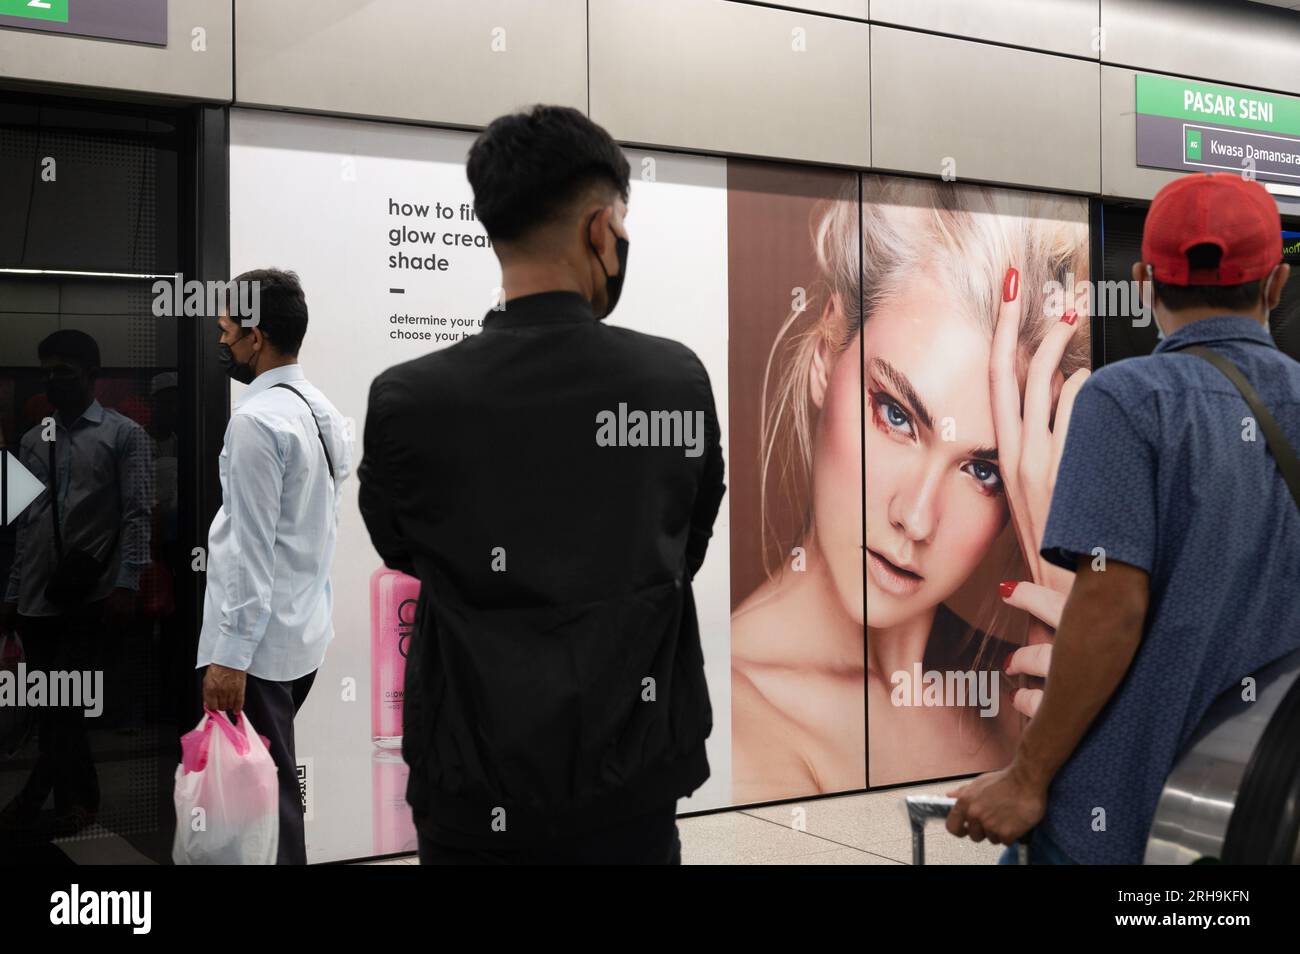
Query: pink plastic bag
(227,796)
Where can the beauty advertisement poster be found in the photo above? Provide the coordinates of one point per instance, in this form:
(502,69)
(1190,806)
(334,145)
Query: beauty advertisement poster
(869,630)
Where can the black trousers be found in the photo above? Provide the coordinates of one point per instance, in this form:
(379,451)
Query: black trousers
(64,765)
(271,707)
(648,840)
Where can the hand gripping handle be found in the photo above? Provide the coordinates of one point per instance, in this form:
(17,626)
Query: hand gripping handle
(921,808)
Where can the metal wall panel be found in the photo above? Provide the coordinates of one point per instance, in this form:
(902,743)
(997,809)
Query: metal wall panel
(193,65)
(1053,26)
(839,8)
(722,76)
(1001,115)
(446,61)
(1249,44)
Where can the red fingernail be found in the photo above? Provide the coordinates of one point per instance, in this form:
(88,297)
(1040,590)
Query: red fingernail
(1070,317)
(1011,285)
(1006,588)
(1006,663)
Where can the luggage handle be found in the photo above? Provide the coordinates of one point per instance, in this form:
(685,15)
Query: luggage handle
(922,808)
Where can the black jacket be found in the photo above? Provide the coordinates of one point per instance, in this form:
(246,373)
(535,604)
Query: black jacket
(555,672)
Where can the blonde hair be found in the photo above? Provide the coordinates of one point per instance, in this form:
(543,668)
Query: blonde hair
(964,236)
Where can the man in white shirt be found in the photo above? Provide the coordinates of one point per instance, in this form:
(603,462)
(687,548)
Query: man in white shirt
(267,614)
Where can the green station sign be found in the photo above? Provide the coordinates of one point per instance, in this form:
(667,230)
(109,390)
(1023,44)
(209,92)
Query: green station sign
(53,10)
(1206,127)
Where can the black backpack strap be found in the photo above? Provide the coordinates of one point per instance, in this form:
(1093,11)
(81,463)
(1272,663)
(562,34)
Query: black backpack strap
(1282,450)
(329,461)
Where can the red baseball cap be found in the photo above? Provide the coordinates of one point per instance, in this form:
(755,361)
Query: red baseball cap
(1236,214)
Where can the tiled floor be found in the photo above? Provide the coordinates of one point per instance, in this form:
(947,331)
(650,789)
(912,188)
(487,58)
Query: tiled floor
(867,829)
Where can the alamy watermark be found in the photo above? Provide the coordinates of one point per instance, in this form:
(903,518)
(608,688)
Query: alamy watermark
(177,298)
(954,687)
(1109,299)
(624,428)
(75,906)
(35,689)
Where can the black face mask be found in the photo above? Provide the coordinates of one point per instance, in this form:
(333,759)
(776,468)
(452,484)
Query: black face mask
(614,284)
(238,371)
(63,389)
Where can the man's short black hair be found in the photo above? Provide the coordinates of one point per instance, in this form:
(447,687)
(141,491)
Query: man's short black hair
(71,345)
(527,168)
(1228,298)
(282,307)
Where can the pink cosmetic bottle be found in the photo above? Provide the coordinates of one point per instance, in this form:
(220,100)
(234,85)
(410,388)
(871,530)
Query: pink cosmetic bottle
(393,598)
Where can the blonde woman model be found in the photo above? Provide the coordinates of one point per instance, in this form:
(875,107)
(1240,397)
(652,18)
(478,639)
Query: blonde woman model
(944,357)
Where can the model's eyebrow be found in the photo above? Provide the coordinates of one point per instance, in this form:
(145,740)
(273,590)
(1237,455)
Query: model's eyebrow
(904,388)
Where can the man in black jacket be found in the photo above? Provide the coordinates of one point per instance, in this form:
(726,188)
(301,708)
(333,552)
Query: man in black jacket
(552,482)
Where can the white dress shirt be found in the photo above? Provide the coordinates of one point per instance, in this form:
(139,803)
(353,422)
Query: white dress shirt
(268,607)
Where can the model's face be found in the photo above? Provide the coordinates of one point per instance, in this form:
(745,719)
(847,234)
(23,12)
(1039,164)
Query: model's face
(934,496)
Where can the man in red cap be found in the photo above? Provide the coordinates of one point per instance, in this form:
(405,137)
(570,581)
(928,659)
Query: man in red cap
(1177,504)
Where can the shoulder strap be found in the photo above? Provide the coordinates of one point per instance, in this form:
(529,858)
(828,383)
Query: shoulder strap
(329,461)
(54,499)
(1282,450)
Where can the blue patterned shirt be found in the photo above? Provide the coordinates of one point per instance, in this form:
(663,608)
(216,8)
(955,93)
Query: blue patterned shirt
(1161,472)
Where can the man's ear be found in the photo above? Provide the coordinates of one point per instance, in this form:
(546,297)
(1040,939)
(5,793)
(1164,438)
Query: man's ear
(819,373)
(597,229)
(1142,278)
(1275,287)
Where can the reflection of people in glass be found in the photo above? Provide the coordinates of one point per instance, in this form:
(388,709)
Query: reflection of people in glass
(953,288)
(163,393)
(76,570)
(157,584)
